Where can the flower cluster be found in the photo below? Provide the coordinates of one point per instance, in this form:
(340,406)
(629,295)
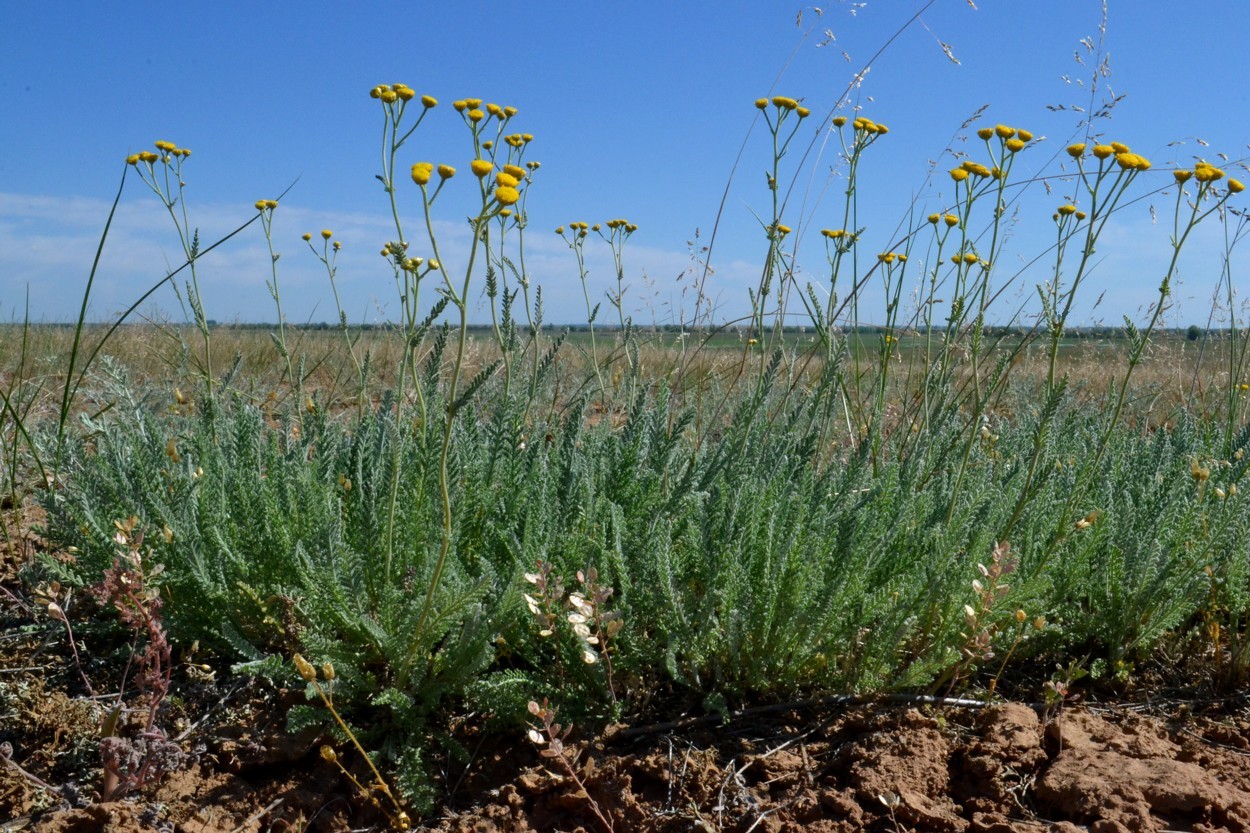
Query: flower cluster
(390,93)
(168,151)
(783,105)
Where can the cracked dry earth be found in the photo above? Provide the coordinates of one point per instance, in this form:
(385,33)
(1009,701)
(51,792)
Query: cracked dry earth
(875,768)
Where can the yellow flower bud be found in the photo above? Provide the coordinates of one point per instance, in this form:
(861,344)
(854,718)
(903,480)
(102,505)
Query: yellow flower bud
(506,179)
(132,159)
(1102,151)
(167,147)
(1067,210)
(421,172)
(559,229)
(507,195)
(406,93)
(838,121)
(970,258)
(1235,186)
(460,106)
(1182,175)
(1080,215)
(509,112)
(327,670)
(476,116)
(446,171)
(803,112)
(933,218)
(951,220)
(986,133)
(495,110)
(1120,147)
(429,101)
(306,237)
(376,92)
(326,234)
(481,167)
(959,174)
(514,171)
(390,96)
(305,668)
(761,103)
(1076,150)
(1025,135)
(1015,144)
(1003,131)
(329,754)
(473,103)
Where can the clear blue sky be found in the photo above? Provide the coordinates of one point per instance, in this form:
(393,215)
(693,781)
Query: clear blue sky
(639,108)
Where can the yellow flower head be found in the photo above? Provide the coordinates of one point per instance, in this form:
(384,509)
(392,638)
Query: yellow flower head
(959,174)
(476,115)
(880,129)
(1025,135)
(1080,215)
(783,103)
(1002,131)
(1206,172)
(986,133)
(389,96)
(376,92)
(505,212)
(460,105)
(934,218)
(783,230)
(514,171)
(1132,162)
(446,171)
(1067,210)
(1182,175)
(260,205)
(481,167)
(506,179)
(951,220)
(132,159)
(527,137)
(761,103)
(1120,147)
(495,110)
(473,103)
(507,195)
(977,169)
(167,147)
(832,234)
(1015,144)
(429,102)
(148,156)
(405,93)
(509,112)
(1102,151)
(886,257)
(803,112)
(326,234)
(306,237)
(337,245)
(970,258)
(421,172)
(838,121)
(487,145)
(1076,150)
(1235,186)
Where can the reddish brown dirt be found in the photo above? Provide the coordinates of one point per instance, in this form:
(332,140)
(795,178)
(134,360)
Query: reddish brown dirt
(884,767)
